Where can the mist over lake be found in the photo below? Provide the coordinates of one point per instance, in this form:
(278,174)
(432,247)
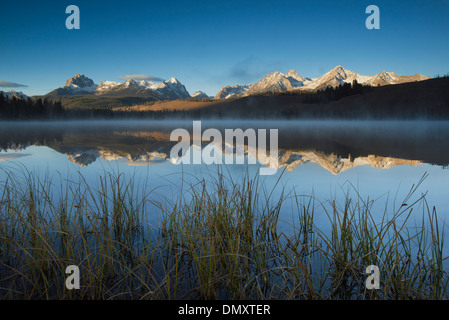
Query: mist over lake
(379,159)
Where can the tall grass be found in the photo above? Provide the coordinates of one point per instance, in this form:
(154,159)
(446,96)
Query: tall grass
(217,239)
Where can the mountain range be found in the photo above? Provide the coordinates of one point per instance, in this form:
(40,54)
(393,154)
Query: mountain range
(170,89)
(13,93)
(81,86)
(277,82)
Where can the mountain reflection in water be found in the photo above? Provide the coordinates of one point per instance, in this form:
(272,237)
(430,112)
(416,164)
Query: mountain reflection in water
(335,146)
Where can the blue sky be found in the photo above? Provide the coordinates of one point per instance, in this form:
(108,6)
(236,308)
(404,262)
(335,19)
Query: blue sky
(209,44)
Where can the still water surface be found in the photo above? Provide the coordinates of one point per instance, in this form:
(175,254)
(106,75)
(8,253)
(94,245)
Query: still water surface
(377,160)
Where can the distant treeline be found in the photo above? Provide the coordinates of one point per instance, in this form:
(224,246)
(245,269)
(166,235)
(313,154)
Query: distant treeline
(23,109)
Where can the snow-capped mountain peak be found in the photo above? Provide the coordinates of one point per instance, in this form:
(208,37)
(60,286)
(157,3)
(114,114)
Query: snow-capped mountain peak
(335,77)
(272,82)
(80,83)
(107,85)
(293,74)
(200,95)
(12,93)
(131,83)
(173,89)
(173,80)
(295,79)
(232,91)
(387,76)
(146,84)
(340,74)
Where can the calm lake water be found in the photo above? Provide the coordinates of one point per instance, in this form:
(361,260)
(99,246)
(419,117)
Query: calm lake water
(379,160)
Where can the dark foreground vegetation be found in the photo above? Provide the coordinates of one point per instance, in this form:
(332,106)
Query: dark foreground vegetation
(427,99)
(215,240)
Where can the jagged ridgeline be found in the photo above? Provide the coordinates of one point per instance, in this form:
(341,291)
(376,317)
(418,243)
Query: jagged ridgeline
(276,81)
(310,97)
(81,92)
